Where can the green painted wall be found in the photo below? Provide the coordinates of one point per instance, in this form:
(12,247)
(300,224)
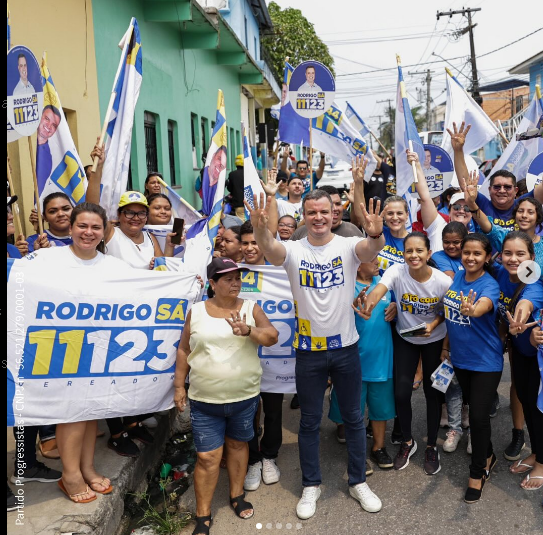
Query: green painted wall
(176,84)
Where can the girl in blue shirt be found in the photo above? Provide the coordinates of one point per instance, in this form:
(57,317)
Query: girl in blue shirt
(519,303)
(395,215)
(449,261)
(475,350)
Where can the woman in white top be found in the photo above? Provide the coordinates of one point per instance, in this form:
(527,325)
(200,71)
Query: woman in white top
(419,291)
(219,345)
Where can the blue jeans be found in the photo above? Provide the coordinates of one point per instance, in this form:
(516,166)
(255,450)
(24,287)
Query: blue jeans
(312,371)
(453,398)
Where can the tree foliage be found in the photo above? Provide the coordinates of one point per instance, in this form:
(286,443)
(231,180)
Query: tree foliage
(294,36)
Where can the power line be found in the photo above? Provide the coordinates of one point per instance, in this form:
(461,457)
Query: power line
(505,46)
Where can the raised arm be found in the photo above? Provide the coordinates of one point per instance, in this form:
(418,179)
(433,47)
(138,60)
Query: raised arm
(427,206)
(372,221)
(270,189)
(358,166)
(273,249)
(458,139)
(284,159)
(470,193)
(320,169)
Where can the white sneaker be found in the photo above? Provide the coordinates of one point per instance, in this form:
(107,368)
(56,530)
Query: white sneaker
(253,477)
(469,450)
(150,422)
(465,416)
(453,438)
(368,500)
(308,502)
(270,472)
(444,422)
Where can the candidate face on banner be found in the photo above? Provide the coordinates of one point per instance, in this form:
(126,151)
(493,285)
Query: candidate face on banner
(438,169)
(24,91)
(311,89)
(535,172)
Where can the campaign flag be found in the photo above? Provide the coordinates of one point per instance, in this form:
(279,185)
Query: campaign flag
(9,30)
(180,207)
(12,134)
(518,155)
(96,345)
(126,89)
(200,238)
(405,132)
(58,166)
(293,128)
(357,121)
(270,288)
(334,134)
(251,180)
(462,108)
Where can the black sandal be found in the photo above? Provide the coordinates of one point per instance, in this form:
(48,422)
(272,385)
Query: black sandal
(241,505)
(201,526)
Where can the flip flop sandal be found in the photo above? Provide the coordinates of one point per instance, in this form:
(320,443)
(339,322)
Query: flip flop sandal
(201,526)
(109,490)
(241,505)
(533,477)
(72,496)
(51,452)
(416,384)
(518,464)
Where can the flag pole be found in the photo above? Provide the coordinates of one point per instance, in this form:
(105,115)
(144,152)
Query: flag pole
(311,154)
(538,94)
(36,190)
(127,39)
(15,206)
(381,145)
(180,198)
(403,95)
(276,153)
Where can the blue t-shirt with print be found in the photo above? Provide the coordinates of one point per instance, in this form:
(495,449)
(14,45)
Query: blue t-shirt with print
(375,342)
(13,252)
(445,263)
(475,342)
(501,218)
(391,253)
(53,240)
(531,292)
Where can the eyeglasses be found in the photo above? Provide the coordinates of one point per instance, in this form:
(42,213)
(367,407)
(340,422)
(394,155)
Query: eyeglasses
(286,225)
(499,187)
(460,208)
(130,214)
(302,168)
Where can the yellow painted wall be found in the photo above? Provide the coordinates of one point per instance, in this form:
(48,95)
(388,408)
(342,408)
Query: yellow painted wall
(64,29)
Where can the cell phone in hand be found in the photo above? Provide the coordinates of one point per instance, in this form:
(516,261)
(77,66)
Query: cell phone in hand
(178,224)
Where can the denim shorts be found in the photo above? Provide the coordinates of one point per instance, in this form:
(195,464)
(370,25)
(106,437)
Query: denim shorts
(211,422)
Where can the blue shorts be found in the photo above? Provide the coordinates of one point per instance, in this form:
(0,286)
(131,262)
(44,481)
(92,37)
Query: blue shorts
(211,422)
(379,396)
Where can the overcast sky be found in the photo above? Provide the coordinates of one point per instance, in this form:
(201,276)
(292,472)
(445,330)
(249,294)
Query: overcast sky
(379,24)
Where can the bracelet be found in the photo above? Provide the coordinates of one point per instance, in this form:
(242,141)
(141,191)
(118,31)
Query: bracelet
(375,237)
(447,350)
(248,332)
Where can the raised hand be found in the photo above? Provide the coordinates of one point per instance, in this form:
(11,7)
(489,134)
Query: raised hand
(271,187)
(359,165)
(412,157)
(259,215)
(470,186)
(458,136)
(372,221)
(467,306)
(350,194)
(239,325)
(518,325)
(98,152)
(42,242)
(22,245)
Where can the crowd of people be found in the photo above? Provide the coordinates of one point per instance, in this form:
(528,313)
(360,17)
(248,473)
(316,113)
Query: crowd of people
(379,307)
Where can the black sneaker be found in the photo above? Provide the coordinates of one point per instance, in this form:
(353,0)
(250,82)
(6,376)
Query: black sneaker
(12,501)
(123,446)
(139,432)
(39,472)
(404,454)
(431,461)
(512,452)
(381,458)
(294,403)
(369,430)
(396,438)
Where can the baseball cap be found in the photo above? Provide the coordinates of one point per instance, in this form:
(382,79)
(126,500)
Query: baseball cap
(11,200)
(457,197)
(282,176)
(133,197)
(239,160)
(222,265)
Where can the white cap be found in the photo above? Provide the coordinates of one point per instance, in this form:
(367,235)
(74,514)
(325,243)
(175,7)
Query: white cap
(457,197)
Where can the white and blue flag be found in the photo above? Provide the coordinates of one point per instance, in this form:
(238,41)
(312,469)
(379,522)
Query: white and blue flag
(357,121)
(251,180)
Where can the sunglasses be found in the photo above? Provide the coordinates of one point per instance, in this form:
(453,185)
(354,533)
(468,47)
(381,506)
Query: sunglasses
(130,214)
(499,187)
(460,208)
(302,168)
(286,225)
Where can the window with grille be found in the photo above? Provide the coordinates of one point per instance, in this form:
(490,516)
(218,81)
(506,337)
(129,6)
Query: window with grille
(172,134)
(151,152)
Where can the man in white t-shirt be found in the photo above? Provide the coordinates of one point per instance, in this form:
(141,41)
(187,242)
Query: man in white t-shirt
(293,206)
(322,272)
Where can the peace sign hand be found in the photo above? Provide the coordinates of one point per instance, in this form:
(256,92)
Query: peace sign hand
(467,306)
(458,137)
(518,325)
(239,326)
(360,304)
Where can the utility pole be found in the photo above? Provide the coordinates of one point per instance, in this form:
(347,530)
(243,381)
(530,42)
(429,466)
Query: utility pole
(428,74)
(389,100)
(474,77)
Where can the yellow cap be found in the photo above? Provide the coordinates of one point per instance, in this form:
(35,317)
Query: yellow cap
(133,197)
(239,160)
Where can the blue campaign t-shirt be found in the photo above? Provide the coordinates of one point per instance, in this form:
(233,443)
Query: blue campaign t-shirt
(531,292)
(55,241)
(475,342)
(375,342)
(392,252)
(13,252)
(501,218)
(446,263)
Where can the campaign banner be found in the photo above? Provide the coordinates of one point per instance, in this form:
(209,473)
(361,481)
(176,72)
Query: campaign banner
(92,345)
(535,172)
(270,288)
(438,170)
(311,89)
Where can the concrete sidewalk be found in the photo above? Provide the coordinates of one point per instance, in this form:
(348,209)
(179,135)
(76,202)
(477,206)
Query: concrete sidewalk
(47,511)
